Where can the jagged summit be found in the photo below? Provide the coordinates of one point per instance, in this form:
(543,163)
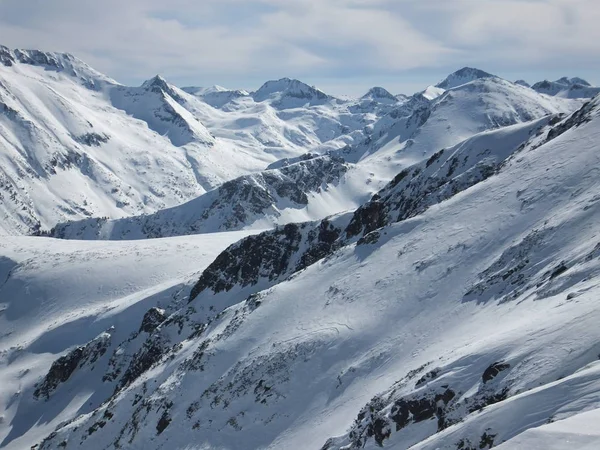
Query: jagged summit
(56,61)
(462,76)
(379,93)
(522,83)
(159,85)
(6,56)
(287,87)
(156,81)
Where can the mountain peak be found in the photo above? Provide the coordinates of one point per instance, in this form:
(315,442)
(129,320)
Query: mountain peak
(288,87)
(566,87)
(6,56)
(55,61)
(462,76)
(156,82)
(379,93)
(572,81)
(522,83)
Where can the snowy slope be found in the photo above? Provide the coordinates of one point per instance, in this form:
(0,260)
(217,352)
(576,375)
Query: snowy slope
(417,129)
(460,327)
(57,294)
(578,431)
(75,144)
(306,190)
(455,308)
(67,152)
(312,187)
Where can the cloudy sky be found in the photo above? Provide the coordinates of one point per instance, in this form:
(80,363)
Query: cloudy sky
(342,46)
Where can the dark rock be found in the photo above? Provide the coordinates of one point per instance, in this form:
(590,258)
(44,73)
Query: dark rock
(379,430)
(59,372)
(163,422)
(150,354)
(493,370)
(559,270)
(431,375)
(92,139)
(268,256)
(487,440)
(62,369)
(433,158)
(6,56)
(578,118)
(367,218)
(152,319)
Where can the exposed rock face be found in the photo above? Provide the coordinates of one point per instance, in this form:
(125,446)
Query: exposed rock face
(6,56)
(251,195)
(62,369)
(581,116)
(92,139)
(493,370)
(269,256)
(152,319)
(435,403)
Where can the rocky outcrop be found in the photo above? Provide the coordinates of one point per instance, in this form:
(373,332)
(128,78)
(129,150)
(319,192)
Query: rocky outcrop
(152,319)
(6,56)
(64,367)
(235,205)
(270,256)
(435,402)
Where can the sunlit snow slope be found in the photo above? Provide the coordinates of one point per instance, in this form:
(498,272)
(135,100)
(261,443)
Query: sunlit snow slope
(390,271)
(460,327)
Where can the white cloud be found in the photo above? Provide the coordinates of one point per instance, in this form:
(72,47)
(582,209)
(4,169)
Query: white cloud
(250,39)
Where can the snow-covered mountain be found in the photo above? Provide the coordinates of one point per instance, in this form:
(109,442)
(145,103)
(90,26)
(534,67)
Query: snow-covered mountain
(567,87)
(462,76)
(216,96)
(286,93)
(76,144)
(380,95)
(306,190)
(408,132)
(460,320)
(422,126)
(388,271)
